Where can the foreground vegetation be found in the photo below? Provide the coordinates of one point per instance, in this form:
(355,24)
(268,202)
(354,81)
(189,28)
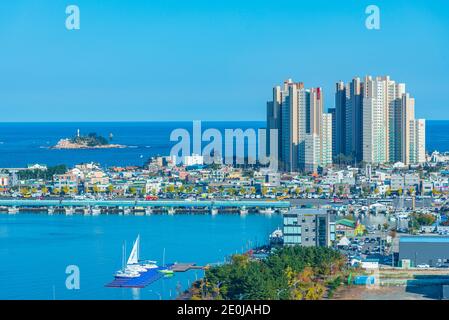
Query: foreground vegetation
(298,273)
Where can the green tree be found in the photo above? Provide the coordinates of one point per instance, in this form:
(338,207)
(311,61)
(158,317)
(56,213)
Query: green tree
(65,189)
(264,191)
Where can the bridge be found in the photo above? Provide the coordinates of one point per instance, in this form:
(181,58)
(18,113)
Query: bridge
(94,207)
(144,204)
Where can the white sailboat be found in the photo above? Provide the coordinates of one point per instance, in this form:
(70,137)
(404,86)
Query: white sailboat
(134,266)
(133,260)
(126,272)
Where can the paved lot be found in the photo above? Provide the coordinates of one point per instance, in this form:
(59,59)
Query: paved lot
(389,293)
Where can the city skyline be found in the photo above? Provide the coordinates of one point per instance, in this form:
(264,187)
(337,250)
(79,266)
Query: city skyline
(373,123)
(217,57)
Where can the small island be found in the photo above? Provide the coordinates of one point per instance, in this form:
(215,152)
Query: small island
(91,141)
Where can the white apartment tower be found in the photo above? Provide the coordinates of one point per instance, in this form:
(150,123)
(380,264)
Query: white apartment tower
(297,113)
(390,131)
(326,140)
(417,141)
(375,121)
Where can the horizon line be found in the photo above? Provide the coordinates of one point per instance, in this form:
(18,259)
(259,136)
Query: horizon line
(129,121)
(149,121)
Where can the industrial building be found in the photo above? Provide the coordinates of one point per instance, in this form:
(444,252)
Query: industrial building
(424,250)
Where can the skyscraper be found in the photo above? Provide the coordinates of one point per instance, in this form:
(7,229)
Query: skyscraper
(326,140)
(420,141)
(301,127)
(406,132)
(355,106)
(349,109)
(390,132)
(333,112)
(340,118)
(375,121)
(291,125)
(274,116)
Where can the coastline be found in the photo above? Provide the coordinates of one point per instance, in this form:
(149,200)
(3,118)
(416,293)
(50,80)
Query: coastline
(66,144)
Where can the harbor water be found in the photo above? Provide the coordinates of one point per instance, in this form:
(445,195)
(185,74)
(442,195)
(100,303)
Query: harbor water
(36,249)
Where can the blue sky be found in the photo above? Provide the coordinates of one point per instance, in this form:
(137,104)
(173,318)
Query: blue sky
(209,60)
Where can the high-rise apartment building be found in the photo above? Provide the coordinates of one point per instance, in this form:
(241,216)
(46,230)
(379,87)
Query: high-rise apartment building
(326,140)
(373,121)
(417,141)
(297,113)
(340,118)
(333,113)
(389,125)
(348,105)
(274,117)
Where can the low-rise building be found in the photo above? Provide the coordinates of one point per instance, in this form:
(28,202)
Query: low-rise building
(424,250)
(4,180)
(66,180)
(309,227)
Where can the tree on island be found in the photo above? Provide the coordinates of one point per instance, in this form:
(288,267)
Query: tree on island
(91,140)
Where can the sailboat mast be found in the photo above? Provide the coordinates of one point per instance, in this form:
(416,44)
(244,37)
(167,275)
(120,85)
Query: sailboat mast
(138,248)
(123,256)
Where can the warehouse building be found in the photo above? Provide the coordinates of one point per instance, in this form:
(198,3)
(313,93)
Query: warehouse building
(424,250)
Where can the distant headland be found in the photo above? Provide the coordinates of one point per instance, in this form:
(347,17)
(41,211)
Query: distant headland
(91,141)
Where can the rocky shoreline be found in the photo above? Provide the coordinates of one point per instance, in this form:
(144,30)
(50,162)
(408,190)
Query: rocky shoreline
(68,144)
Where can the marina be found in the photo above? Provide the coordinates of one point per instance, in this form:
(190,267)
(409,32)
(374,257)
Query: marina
(152,275)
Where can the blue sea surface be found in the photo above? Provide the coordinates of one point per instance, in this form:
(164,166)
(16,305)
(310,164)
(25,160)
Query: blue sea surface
(35,250)
(28,143)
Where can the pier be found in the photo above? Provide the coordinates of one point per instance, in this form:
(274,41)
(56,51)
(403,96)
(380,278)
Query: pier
(145,279)
(140,207)
(151,275)
(183,267)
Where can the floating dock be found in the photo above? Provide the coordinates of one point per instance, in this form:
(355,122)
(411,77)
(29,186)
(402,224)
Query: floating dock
(145,279)
(183,267)
(152,275)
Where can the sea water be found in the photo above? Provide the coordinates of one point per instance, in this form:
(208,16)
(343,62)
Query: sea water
(36,249)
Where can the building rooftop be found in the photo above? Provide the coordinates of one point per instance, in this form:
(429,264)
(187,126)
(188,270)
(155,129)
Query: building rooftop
(424,239)
(308,211)
(346,222)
